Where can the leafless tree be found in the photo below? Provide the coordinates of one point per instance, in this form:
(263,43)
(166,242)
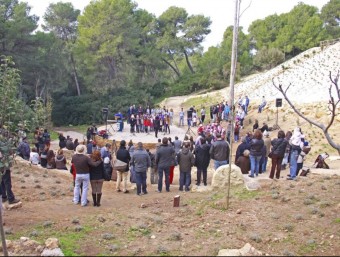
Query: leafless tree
(332,107)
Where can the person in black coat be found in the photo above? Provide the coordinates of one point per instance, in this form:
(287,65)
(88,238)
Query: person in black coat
(62,141)
(124,156)
(279,145)
(202,160)
(97,178)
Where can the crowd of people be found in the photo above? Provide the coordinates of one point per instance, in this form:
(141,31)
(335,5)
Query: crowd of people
(90,163)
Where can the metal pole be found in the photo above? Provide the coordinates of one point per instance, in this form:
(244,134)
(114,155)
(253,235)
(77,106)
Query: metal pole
(232,82)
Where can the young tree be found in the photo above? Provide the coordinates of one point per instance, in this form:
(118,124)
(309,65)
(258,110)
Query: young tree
(332,107)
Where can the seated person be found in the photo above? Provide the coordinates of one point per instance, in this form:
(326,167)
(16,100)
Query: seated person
(320,161)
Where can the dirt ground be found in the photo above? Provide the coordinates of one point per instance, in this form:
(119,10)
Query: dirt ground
(281,218)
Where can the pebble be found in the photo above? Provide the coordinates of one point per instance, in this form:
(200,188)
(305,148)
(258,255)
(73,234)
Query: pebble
(239,211)
(153,237)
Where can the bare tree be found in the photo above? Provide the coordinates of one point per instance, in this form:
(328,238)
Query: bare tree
(332,107)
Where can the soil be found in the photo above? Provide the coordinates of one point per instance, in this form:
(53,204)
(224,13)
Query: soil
(281,218)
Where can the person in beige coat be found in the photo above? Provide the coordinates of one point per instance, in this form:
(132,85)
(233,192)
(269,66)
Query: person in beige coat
(267,143)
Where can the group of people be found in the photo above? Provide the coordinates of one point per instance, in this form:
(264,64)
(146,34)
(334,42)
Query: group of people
(253,153)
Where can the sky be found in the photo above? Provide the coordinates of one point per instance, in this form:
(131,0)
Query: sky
(221,12)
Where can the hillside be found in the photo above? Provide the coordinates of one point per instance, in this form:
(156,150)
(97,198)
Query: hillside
(308,73)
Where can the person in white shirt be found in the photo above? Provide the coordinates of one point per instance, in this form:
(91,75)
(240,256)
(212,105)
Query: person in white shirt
(34,156)
(181,118)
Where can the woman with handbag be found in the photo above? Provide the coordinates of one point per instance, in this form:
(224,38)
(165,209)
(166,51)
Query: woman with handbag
(277,153)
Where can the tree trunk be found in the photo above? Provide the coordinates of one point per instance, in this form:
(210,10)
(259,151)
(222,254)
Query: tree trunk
(188,62)
(232,82)
(172,67)
(75,75)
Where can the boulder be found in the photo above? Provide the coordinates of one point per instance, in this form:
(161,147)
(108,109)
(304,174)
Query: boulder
(52,252)
(52,243)
(246,250)
(220,176)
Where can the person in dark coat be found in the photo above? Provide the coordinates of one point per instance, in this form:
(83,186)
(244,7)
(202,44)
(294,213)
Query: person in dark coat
(279,145)
(97,178)
(124,156)
(241,148)
(156,125)
(165,157)
(202,160)
(256,147)
(186,160)
(62,141)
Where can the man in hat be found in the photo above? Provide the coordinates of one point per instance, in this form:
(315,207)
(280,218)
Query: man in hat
(82,165)
(141,162)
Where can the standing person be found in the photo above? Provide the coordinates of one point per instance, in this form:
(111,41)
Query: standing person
(302,156)
(256,146)
(202,115)
(62,141)
(75,144)
(156,125)
(262,105)
(6,188)
(141,161)
(242,116)
(89,147)
(202,160)
(82,165)
(69,143)
(43,156)
(171,114)
(181,117)
(133,123)
(105,151)
(219,152)
(285,160)
(237,131)
(165,157)
(186,160)
(177,144)
(279,145)
(246,104)
(97,178)
(124,156)
(267,143)
(297,146)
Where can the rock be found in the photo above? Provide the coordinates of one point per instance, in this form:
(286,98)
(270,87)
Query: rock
(246,250)
(52,243)
(239,211)
(52,252)
(101,219)
(229,252)
(14,206)
(143,205)
(220,176)
(153,237)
